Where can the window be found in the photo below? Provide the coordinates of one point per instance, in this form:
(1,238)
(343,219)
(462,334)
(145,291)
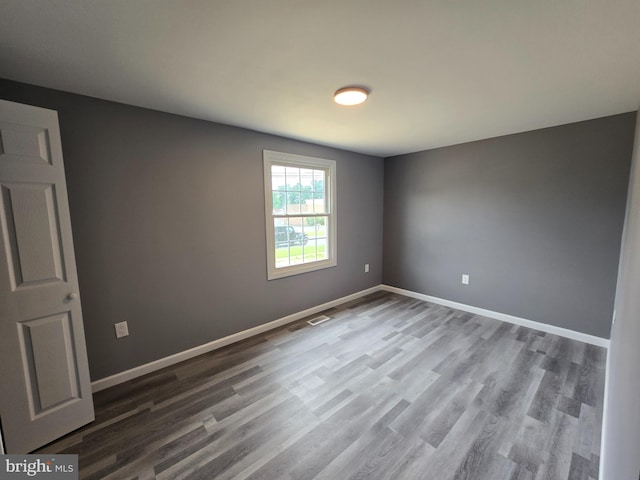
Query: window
(300,206)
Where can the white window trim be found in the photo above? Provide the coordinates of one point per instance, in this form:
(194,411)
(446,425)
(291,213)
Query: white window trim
(278,158)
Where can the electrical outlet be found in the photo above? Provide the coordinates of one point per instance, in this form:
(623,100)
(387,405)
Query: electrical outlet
(122,329)
(465,279)
(366,268)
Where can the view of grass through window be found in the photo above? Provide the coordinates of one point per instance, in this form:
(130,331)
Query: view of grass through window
(299,210)
(300,197)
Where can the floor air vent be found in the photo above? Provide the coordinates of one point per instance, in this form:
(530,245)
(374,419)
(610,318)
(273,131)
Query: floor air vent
(318,320)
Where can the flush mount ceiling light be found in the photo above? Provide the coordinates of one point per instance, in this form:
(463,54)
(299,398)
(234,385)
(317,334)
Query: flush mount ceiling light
(350,96)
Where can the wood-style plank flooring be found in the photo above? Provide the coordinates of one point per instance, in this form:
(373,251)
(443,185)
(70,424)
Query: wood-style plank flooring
(389,388)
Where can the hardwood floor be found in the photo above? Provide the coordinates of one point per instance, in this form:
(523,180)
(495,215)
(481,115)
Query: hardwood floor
(389,388)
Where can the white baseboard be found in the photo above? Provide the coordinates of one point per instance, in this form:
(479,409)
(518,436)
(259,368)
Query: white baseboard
(136,372)
(562,332)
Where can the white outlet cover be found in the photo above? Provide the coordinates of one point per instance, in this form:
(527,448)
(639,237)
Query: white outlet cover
(465,279)
(122,329)
(366,268)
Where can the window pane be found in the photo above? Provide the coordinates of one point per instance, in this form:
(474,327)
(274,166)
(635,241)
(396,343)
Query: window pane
(289,241)
(293,203)
(300,240)
(302,190)
(319,198)
(278,202)
(306,179)
(319,235)
(281,233)
(292,177)
(277,177)
(319,205)
(315,229)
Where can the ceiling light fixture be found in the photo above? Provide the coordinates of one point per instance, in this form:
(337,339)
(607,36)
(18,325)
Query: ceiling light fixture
(350,96)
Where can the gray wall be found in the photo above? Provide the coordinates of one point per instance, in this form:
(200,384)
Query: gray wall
(621,428)
(168,223)
(535,219)
(167,216)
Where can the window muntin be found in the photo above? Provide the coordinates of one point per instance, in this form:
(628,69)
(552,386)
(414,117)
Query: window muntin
(300,213)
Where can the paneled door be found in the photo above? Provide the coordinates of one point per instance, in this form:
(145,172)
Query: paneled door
(45,391)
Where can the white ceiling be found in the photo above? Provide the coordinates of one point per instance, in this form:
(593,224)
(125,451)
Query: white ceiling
(440,72)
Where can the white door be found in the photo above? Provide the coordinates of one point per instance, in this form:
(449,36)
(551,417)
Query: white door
(45,391)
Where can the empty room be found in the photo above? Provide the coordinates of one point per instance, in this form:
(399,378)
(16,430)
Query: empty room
(319,240)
